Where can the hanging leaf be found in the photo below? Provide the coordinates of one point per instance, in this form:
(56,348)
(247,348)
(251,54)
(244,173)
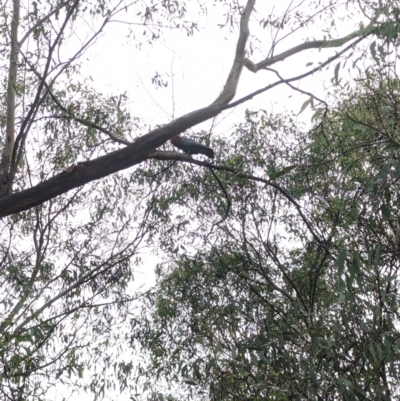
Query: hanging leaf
(337,73)
(305,104)
(340,262)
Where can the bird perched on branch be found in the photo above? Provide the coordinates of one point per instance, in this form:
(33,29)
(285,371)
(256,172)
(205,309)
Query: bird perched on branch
(191,147)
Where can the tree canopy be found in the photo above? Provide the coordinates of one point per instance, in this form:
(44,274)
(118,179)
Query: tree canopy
(278,262)
(293,296)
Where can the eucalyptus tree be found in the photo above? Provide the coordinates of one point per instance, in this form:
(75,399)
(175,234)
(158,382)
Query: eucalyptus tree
(294,293)
(74,223)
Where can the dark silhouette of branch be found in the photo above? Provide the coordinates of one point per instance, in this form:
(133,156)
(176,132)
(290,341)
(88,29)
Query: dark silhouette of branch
(82,173)
(162,155)
(229,203)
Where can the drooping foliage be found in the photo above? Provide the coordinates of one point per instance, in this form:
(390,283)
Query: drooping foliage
(293,295)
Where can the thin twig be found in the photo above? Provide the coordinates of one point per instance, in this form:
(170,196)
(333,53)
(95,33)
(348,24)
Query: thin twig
(229,203)
(164,155)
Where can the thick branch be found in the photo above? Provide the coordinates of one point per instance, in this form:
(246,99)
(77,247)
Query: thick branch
(296,78)
(78,175)
(229,91)
(315,44)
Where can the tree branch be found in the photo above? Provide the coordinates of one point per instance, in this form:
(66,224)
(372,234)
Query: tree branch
(41,20)
(161,155)
(296,78)
(5,163)
(27,122)
(228,201)
(229,91)
(89,124)
(77,175)
(315,44)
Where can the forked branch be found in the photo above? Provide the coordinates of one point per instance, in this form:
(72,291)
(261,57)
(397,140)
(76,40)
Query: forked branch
(315,44)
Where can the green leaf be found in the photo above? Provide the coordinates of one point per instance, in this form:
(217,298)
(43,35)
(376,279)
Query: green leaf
(340,262)
(254,359)
(380,352)
(385,212)
(337,73)
(342,287)
(369,187)
(355,266)
(305,104)
(313,377)
(284,171)
(191,383)
(372,49)
(372,351)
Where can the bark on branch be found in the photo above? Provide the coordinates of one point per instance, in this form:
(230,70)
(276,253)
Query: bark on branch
(78,175)
(139,151)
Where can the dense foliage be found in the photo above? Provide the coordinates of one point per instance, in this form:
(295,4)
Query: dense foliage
(295,294)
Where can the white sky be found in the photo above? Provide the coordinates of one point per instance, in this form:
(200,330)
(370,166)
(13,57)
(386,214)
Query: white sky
(199,65)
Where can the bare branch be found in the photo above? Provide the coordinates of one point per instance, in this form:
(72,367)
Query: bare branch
(27,122)
(229,91)
(297,78)
(228,201)
(102,268)
(315,44)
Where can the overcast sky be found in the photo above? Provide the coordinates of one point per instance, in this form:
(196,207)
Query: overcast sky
(197,66)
